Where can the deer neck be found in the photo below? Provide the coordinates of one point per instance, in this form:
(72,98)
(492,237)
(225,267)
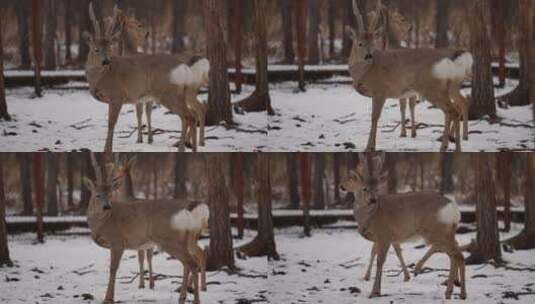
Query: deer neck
(129,46)
(364,215)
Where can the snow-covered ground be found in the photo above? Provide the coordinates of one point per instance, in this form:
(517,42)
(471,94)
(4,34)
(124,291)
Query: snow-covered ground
(329,266)
(72,120)
(331,117)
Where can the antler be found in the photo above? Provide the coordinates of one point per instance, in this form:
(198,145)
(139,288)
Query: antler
(374,20)
(111,27)
(97,168)
(96,24)
(358,15)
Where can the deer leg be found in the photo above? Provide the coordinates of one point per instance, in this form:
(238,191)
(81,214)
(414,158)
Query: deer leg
(403,108)
(194,135)
(150,254)
(183,136)
(377,108)
(412,105)
(370,264)
(196,297)
(419,266)
(141,260)
(446,134)
(406,274)
(139,116)
(382,250)
(451,277)
(115,260)
(461,271)
(457,125)
(113,115)
(184,287)
(148,112)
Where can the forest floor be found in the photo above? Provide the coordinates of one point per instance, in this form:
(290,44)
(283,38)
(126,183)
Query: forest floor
(326,118)
(326,268)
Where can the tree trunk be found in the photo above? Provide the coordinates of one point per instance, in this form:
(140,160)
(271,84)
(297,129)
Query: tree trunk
(300,25)
(305,191)
(332,29)
(337,161)
(21,9)
(68,31)
(264,243)
(319,176)
(237,43)
(522,94)
(446,173)
(51,184)
(313,31)
(178,23)
(237,173)
(180,175)
(392,179)
(498,25)
(84,25)
(219,107)
(5,260)
(349,20)
(442,23)
(50,34)
(259,100)
(36,42)
(483,102)
(4,115)
(488,239)
(70,180)
(504,175)
(526,239)
(220,252)
(39,186)
(26,183)
(286,9)
(292,181)
(87,171)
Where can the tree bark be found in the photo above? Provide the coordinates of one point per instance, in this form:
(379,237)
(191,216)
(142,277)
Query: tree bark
(488,238)
(392,179)
(26,183)
(68,31)
(349,20)
(178,23)
(337,161)
(51,184)
(180,175)
(264,243)
(237,43)
(5,259)
(521,95)
(286,9)
(36,42)
(220,253)
(483,102)
(442,23)
(21,9)
(319,176)
(86,171)
(50,34)
(84,25)
(504,175)
(313,31)
(300,25)
(237,172)
(446,172)
(305,191)
(4,115)
(498,25)
(259,100)
(332,29)
(70,180)
(293,187)
(39,186)
(219,107)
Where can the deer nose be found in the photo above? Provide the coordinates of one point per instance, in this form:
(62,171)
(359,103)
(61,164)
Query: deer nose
(106,207)
(373,200)
(342,188)
(106,62)
(368,57)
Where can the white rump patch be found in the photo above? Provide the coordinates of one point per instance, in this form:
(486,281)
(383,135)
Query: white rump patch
(450,214)
(201,212)
(201,70)
(197,74)
(181,75)
(460,68)
(184,220)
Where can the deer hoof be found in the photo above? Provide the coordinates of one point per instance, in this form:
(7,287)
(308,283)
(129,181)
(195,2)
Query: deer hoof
(141,286)
(139,141)
(150,141)
(151,286)
(413,135)
(403,135)
(463,295)
(407,278)
(366,278)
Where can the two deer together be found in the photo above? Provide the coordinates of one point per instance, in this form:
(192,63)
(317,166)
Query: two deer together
(136,224)
(396,218)
(434,74)
(170,80)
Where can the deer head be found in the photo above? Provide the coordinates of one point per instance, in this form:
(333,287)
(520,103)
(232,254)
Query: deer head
(100,43)
(366,35)
(133,27)
(103,188)
(367,180)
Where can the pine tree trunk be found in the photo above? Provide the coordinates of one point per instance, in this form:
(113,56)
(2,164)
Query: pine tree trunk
(313,31)
(51,184)
(332,29)
(180,175)
(264,243)
(521,95)
(482,103)
(498,25)
(286,9)
(337,161)
(50,7)
(39,186)
(87,171)
(84,25)
(504,174)
(220,253)
(26,183)
(21,9)
(446,168)
(70,180)
(219,107)
(300,25)
(488,239)
(4,115)
(293,187)
(237,173)
(68,31)
(36,43)
(178,23)
(5,260)
(349,20)
(392,180)
(259,100)
(442,23)
(237,38)
(305,191)
(319,174)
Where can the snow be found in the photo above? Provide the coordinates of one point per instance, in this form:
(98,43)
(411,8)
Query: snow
(334,118)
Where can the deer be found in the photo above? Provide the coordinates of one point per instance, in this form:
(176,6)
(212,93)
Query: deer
(122,167)
(135,79)
(434,74)
(139,224)
(387,219)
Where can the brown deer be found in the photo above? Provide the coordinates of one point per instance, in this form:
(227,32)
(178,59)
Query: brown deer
(434,74)
(134,79)
(397,218)
(139,224)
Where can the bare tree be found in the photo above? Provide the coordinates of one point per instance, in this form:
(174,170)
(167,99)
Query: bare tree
(178,24)
(337,162)
(68,30)
(180,190)
(286,9)
(26,183)
(498,25)
(446,168)
(50,7)
(4,115)
(5,260)
(291,173)
(332,28)
(300,24)
(70,180)
(483,102)
(349,21)
(264,243)
(51,184)
(236,18)
(36,42)
(319,177)
(39,186)
(219,108)
(391,167)
(504,172)
(220,251)
(442,23)
(305,191)
(84,25)
(21,9)
(313,31)
(237,173)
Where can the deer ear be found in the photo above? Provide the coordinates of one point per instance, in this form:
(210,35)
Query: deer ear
(351,32)
(132,162)
(355,174)
(87,37)
(88,183)
(116,183)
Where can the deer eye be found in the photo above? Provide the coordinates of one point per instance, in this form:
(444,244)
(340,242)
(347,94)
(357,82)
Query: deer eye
(361,44)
